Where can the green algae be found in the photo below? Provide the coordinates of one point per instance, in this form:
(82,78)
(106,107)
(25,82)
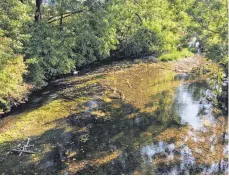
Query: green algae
(136,108)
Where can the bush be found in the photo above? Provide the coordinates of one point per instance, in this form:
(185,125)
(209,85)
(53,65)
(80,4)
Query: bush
(175,55)
(12,88)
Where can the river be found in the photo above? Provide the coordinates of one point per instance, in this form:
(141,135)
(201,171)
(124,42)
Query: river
(150,121)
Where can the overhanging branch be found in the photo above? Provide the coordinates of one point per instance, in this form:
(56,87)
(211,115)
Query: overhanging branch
(65,15)
(203,26)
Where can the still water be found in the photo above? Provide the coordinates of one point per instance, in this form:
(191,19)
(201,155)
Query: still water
(196,147)
(166,126)
(154,121)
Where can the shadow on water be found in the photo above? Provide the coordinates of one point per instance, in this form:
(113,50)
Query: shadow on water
(97,145)
(49,93)
(169,128)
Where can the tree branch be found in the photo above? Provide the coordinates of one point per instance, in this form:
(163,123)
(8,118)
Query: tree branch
(206,28)
(139,17)
(65,15)
(203,26)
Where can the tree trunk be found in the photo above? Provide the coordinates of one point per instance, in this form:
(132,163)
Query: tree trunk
(38,10)
(61,17)
(61,22)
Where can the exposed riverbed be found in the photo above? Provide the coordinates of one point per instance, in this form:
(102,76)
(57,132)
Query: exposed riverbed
(146,118)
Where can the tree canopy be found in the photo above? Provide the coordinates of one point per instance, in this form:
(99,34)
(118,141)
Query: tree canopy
(43,39)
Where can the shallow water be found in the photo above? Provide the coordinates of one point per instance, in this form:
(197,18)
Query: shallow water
(197,147)
(163,124)
(190,138)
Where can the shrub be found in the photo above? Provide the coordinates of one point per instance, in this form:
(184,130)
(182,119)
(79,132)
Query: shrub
(12,88)
(175,55)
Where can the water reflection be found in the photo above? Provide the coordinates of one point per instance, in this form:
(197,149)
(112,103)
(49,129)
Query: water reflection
(193,140)
(192,107)
(196,147)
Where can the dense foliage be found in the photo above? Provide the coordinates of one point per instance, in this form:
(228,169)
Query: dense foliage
(43,39)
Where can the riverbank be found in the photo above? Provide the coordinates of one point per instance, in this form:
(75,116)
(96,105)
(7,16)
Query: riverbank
(93,123)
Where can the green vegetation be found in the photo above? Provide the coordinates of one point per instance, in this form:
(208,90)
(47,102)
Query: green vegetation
(175,55)
(13,89)
(42,40)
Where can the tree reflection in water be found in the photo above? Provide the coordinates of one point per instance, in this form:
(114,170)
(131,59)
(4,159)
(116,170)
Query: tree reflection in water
(199,145)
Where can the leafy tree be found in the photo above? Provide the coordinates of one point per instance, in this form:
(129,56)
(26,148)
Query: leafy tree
(48,38)
(12,88)
(211,25)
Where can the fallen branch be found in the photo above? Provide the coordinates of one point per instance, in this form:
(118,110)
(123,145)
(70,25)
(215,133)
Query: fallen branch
(25,146)
(23,151)
(128,83)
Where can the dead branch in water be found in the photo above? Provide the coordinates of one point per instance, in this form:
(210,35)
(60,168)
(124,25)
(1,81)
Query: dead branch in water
(24,149)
